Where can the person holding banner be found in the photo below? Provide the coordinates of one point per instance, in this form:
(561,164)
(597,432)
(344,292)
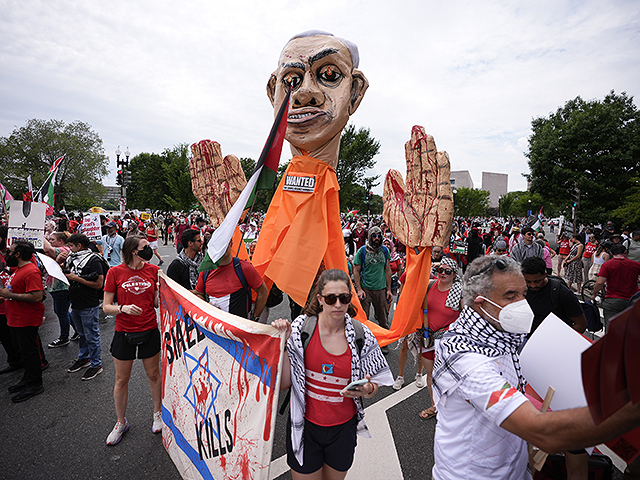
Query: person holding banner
(320,368)
(135,284)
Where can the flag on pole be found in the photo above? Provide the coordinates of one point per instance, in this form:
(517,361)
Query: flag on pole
(5,198)
(263,177)
(45,194)
(538,223)
(28,197)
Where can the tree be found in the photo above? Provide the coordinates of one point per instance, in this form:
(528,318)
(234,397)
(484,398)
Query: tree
(149,183)
(517,204)
(176,169)
(628,213)
(32,149)
(594,143)
(471,202)
(357,149)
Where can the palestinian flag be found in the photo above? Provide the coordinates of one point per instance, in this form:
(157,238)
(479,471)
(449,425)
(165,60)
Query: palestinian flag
(263,177)
(538,220)
(6,198)
(45,194)
(28,197)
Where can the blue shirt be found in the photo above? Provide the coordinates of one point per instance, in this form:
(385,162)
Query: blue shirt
(112,249)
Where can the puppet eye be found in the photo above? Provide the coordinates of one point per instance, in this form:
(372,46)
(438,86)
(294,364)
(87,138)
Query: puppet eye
(291,80)
(330,75)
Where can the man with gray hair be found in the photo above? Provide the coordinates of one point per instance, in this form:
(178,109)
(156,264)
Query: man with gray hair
(484,419)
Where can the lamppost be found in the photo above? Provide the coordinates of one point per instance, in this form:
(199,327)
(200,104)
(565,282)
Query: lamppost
(454,191)
(124,176)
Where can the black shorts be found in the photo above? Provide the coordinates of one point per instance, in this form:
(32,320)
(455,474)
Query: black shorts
(121,349)
(334,446)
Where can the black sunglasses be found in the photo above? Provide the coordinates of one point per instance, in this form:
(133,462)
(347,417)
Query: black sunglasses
(376,235)
(499,263)
(446,271)
(345,298)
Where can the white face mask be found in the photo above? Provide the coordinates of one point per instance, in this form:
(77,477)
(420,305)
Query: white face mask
(516,317)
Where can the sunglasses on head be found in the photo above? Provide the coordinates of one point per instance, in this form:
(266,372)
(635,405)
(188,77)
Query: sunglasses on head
(446,271)
(345,298)
(499,263)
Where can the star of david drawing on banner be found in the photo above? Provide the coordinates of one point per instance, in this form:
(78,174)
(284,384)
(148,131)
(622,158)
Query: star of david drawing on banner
(203,387)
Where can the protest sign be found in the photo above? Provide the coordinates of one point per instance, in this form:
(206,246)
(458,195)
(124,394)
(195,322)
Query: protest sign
(91,226)
(145,216)
(220,383)
(26,222)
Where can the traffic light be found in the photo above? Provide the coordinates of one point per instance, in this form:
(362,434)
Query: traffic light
(119,178)
(575,197)
(126,177)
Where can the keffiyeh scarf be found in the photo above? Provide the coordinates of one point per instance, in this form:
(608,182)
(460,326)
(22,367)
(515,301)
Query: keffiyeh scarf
(471,333)
(192,265)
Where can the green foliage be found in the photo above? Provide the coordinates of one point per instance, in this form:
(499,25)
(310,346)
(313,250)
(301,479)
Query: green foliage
(32,149)
(628,213)
(149,183)
(595,143)
(263,197)
(471,202)
(357,149)
(176,169)
(517,204)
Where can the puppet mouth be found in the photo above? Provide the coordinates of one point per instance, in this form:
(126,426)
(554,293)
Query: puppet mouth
(304,116)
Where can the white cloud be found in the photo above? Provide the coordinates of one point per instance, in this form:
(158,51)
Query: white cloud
(150,74)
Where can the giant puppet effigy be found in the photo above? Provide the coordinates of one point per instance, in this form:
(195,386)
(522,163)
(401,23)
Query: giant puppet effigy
(302,233)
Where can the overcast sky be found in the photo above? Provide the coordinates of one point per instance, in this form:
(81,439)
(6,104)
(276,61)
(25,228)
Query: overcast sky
(152,74)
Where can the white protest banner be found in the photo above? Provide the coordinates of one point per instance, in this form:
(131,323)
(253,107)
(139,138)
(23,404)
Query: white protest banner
(220,383)
(91,226)
(26,222)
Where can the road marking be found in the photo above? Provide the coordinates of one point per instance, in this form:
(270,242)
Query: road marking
(374,458)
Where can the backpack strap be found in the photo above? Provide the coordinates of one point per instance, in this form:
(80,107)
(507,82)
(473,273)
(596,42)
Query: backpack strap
(238,268)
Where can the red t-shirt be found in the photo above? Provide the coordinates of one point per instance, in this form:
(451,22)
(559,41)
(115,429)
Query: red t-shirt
(622,277)
(325,376)
(25,314)
(565,247)
(134,287)
(589,249)
(151,235)
(439,316)
(4,279)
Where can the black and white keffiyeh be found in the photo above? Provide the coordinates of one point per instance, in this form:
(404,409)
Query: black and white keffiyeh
(192,265)
(471,333)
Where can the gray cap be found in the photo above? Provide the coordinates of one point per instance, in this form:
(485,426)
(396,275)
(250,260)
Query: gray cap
(500,245)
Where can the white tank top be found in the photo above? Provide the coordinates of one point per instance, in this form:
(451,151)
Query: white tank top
(598,260)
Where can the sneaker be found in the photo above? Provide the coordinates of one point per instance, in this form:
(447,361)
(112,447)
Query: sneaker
(397,385)
(419,380)
(160,263)
(79,365)
(58,343)
(75,337)
(384,350)
(116,434)
(157,422)
(27,393)
(92,372)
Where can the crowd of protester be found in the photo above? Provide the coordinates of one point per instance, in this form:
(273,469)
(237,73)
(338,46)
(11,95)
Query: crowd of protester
(99,271)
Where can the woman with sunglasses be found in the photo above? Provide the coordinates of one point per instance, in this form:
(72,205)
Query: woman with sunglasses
(441,308)
(324,415)
(135,285)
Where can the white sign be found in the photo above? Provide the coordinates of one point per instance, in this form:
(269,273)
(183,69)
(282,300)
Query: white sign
(26,222)
(552,357)
(91,226)
(52,267)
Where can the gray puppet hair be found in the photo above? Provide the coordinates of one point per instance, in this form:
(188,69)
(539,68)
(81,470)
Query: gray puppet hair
(353,48)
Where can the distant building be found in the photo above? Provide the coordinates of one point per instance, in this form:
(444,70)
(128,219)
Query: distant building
(496,184)
(111,193)
(461,179)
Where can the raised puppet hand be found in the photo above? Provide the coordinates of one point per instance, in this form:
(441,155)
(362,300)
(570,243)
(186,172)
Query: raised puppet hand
(216,181)
(420,213)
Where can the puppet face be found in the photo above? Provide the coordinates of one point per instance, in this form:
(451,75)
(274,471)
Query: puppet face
(326,89)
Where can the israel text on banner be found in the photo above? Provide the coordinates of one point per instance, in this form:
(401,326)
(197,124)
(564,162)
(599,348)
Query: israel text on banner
(220,383)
